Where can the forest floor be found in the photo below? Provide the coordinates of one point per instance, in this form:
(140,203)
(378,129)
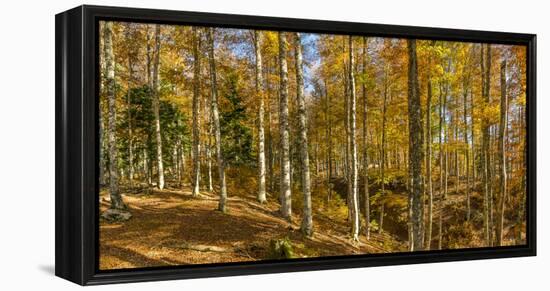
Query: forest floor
(170,227)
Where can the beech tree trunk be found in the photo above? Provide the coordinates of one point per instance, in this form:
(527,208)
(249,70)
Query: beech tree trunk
(441,184)
(347,120)
(353,148)
(216,122)
(195,180)
(261,136)
(155,88)
(116,198)
(416,154)
(365,143)
(128,35)
(428,234)
(307,222)
(103,147)
(468,188)
(286,203)
(329,140)
(208,149)
(383,152)
(270,151)
(473,148)
(502,153)
(486,85)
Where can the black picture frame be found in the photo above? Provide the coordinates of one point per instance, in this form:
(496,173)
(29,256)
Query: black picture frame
(76,136)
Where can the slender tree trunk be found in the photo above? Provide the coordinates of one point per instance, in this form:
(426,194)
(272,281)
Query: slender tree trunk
(195,180)
(183,165)
(270,152)
(174,170)
(446,138)
(156,89)
(428,234)
(329,140)
(502,153)
(472,133)
(316,159)
(353,147)
(129,111)
(208,149)
(286,202)
(365,142)
(216,122)
(490,173)
(465,92)
(445,155)
(181,161)
(307,222)
(149,55)
(523,193)
(102,149)
(486,84)
(441,184)
(455,140)
(382,153)
(130,143)
(416,155)
(146,167)
(347,155)
(261,139)
(149,61)
(116,198)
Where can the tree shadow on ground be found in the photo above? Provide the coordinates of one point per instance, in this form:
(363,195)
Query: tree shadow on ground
(164,222)
(132,257)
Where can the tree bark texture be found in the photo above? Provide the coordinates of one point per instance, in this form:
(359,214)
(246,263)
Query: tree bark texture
(286,202)
(307,222)
(216,122)
(416,154)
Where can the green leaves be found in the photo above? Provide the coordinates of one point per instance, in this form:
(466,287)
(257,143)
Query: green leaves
(236,135)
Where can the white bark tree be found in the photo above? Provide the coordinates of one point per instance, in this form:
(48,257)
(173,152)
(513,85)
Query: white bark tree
(502,153)
(307,221)
(130,56)
(116,199)
(353,147)
(216,122)
(383,149)
(195,181)
(155,88)
(365,143)
(286,202)
(208,150)
(486,87)
(261,111)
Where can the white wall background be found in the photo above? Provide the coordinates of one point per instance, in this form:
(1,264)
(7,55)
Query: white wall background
(27,144)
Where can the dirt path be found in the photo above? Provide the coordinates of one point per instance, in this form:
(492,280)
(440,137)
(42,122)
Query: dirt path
(170,227)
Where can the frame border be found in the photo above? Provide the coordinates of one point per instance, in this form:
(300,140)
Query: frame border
(76,151)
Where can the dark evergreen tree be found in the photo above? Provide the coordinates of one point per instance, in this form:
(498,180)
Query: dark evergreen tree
(236,135)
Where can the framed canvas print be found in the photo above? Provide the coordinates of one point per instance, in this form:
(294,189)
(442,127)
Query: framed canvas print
(197,144)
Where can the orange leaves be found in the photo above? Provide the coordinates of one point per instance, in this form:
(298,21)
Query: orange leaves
(488,112)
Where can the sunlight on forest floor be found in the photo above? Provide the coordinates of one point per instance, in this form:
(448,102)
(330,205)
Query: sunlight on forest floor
(170,227)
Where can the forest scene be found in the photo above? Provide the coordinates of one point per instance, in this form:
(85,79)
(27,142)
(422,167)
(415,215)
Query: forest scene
(222,145)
